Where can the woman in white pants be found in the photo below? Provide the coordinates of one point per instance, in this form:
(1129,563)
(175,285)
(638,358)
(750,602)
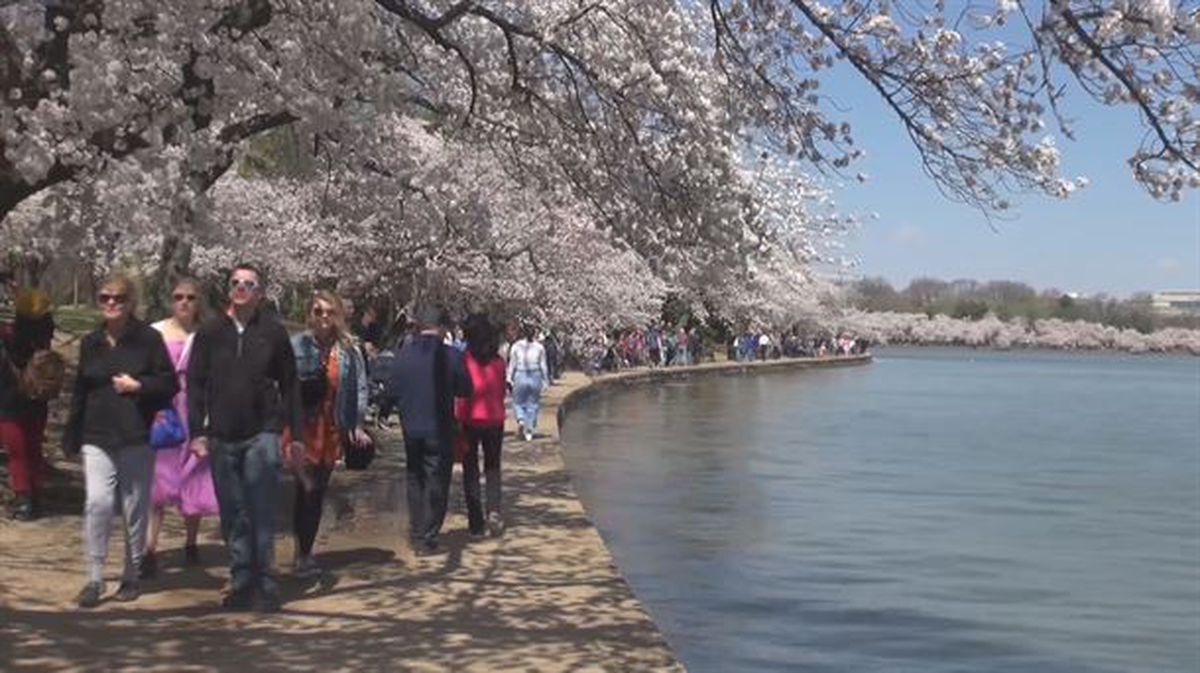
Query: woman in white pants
(125,376)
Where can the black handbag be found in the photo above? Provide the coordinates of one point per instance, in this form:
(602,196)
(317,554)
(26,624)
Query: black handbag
(357,457)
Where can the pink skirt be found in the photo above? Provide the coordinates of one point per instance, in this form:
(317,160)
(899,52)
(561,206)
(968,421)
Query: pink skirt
(184,480)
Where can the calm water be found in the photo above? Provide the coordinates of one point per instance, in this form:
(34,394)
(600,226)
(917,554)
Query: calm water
(938,510)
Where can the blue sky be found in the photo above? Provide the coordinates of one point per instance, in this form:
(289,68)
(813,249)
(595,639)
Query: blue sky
(1111,237)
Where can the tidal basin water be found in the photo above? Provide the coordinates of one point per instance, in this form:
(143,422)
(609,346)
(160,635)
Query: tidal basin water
(935,511)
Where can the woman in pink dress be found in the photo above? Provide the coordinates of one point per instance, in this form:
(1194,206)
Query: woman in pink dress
(180,477)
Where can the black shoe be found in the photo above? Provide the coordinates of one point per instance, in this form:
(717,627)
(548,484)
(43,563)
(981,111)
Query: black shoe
(24,510)
(128,591)
(269,602)
(191,555)
(148,568)
(237,601)
(429,548)
(89,597)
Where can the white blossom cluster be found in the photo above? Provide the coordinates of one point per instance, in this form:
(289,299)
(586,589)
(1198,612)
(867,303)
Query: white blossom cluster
(990,331)
(433,220)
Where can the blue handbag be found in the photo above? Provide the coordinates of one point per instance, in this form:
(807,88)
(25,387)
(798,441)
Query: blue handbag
(167,431)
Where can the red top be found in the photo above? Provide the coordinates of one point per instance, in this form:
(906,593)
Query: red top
(485,407)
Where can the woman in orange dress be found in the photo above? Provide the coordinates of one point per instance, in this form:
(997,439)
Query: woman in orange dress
(333,389)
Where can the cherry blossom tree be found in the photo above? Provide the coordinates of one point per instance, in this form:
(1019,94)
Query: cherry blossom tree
(646,119)
(974,94)
(88,79)
(402,211)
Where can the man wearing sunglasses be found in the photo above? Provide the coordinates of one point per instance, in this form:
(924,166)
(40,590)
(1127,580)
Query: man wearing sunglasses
(242,391)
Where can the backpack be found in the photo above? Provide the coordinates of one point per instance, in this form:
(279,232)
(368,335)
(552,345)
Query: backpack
(43,376)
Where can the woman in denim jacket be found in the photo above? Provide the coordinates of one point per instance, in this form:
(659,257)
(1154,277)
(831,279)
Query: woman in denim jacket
(333,389)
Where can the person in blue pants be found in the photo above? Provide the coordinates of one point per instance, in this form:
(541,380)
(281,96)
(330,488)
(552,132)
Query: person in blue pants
(528,374)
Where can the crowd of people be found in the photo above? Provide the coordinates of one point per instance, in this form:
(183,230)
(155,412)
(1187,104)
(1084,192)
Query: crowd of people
(761,345)
(654,346)
(205,414)
(657,346)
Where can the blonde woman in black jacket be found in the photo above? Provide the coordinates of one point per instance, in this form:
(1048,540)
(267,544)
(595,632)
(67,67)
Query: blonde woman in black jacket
(125,376)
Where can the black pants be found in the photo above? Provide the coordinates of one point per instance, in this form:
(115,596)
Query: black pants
(428,464)
(490,439)
(307,512)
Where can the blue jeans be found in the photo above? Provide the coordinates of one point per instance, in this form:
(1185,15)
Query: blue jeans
(246,477)
(527,397)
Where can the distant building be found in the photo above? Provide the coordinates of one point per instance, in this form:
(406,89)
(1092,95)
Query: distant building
(1176,302)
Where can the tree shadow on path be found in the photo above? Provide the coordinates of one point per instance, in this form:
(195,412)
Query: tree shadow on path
(544,597)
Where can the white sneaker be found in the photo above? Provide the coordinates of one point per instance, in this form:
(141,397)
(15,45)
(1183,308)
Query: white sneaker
(528,436)
(495,524)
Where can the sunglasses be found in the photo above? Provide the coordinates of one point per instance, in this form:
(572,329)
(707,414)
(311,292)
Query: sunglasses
(179,296)
(108,298)
(323,312)
(243,284)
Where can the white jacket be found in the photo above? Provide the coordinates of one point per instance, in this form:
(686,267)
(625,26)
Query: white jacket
(527,356)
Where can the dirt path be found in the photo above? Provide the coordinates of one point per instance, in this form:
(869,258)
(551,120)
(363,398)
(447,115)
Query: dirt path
(545,597)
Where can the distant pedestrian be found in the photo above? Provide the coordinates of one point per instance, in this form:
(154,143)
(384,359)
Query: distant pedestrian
(125,376)
(369,331)
(765,344)
(482,418)
(553,356)
(458,340)
(683,348)
(426,377)
(654,346)
(23,412)
(181,478)
(527,375)
(242,392)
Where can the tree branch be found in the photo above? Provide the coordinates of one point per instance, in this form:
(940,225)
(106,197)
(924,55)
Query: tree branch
(1119,73)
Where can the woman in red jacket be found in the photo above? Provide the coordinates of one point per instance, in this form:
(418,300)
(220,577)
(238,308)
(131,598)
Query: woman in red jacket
(482,420)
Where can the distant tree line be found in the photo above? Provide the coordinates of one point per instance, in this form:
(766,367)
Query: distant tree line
(968,299)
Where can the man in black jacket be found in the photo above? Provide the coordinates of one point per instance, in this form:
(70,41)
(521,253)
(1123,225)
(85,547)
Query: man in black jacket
(242,390)
(425,378)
